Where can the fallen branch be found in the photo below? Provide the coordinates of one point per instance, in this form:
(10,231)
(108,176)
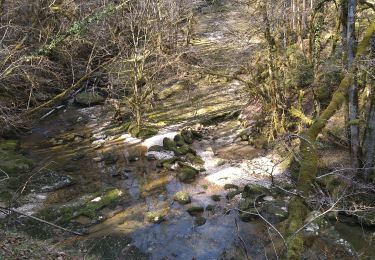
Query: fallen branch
(41,220)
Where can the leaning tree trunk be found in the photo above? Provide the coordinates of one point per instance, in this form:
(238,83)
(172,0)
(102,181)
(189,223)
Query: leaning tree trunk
(308,157)
(353,89)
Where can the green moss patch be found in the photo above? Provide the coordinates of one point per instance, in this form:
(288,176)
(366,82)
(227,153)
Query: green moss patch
(90,208)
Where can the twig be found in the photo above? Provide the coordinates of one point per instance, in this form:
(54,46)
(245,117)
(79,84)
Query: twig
(6,176)
(41,220)
(242,242)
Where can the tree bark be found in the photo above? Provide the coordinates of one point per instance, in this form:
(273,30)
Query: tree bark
(353,89)
(368,150)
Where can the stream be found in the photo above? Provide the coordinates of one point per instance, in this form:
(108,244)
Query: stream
(71,142)
(80,155)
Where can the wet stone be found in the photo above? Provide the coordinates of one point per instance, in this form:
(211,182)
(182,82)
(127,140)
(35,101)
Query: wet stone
(187,173)
(179,140)
(151,157)
(110,158)
(187,135)
(182,197)
(155,217)
(156,148)
(195,209)
(216,198)
(248,215)
(230,187)
(199,221)
(230,195)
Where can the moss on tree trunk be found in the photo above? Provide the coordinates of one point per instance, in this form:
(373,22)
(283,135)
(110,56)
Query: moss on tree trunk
(308,162)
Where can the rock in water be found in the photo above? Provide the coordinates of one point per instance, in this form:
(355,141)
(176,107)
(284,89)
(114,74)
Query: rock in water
(200,221)
(156,148)
(195,210)
(215,197)
(182,197)
(155,217)
(187,173)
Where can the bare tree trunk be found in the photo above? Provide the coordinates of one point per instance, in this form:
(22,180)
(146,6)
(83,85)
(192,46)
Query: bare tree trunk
(353,89)
(369,136)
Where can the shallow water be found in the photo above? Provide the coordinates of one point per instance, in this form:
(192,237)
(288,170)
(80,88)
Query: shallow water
(149,187)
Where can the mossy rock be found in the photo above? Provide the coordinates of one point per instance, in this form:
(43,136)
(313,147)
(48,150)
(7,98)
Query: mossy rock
(230,195)
(210,207)
(188,136)
(253,191)
(155,217)
(248,215)
(88,99)
(179,140)
(90,208)
(169,144)
(182,197)
(194,159)
(167,163)
(147,132)
(199,221)
(222,117)
(143,132)
(230,186)
(195,209)
(197,135)
(187,173)
(9,145)
(185,149)
(156,148)
(215,197)
(14,164)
